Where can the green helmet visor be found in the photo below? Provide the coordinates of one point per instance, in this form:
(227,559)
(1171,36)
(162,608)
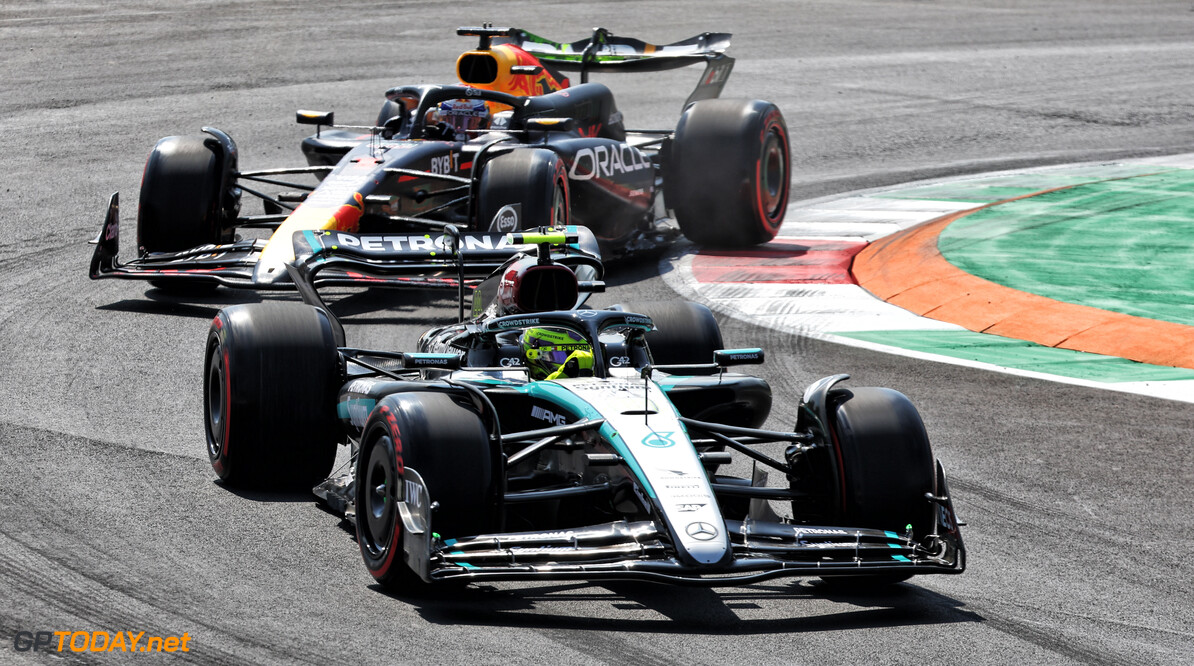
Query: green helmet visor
(550,352)
(578,363)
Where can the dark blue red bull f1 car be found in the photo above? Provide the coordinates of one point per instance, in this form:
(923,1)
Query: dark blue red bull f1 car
(513,145)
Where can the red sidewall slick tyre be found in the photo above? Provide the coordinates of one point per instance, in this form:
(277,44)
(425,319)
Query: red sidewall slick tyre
(448,444)
(728,172)
(531,180)
(378,487)
(269,397)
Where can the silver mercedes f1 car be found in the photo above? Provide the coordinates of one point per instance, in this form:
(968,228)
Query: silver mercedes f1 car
(541,439)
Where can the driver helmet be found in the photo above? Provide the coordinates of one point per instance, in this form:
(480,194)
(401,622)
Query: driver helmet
(465,114)
(552,353)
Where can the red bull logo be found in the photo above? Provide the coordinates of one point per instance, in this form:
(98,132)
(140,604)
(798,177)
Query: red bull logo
(504,57)
(348,216)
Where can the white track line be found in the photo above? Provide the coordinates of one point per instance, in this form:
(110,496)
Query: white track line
(821,311)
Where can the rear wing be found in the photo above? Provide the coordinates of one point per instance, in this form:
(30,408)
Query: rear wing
(606,52)
(453,258)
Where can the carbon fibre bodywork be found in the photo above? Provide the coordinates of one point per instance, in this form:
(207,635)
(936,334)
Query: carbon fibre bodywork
(409,176)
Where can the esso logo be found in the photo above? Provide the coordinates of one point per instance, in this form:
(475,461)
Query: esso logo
(619,361)
(510,361)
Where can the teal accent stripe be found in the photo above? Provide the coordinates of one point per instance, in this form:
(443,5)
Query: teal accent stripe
(895,545)
(546,390)
(343,408)
(892,535)
(900,558)
(316,244)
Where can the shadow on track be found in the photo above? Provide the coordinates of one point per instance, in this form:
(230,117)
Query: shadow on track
(350,307)
(689,610)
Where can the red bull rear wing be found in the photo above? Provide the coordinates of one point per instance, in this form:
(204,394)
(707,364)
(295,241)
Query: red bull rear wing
(606,52)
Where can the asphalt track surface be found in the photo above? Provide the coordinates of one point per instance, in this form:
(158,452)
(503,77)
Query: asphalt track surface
(1079,502)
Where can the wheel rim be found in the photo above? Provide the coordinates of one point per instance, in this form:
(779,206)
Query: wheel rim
(559,207)
(377,512)
(773,175)
(214,406)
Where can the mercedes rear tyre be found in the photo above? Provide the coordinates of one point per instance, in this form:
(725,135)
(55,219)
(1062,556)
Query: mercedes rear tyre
(727,179)
(272,372)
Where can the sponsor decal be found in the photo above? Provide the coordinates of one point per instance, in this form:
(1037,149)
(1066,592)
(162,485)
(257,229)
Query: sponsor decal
(544,535)
(718,74)
(818,530)
(687,487)
(411,495)
(506,219)
(701,531)
(358,411)
(619,361)
(615,117)
(689,508)
(445,164)
(360,385)
(588,314)
(348,216)
(590,131)
(388,243)
(510,362)
(948,520)
(519,323)
(743,357)
(547,415)
(410,242)
(485,242)
(607,161)
(659,440)
(639,321)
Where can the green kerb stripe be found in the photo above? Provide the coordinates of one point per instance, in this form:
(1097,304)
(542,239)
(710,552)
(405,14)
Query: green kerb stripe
(1022,355)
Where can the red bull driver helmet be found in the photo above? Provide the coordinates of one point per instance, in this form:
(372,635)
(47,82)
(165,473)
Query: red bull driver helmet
(465,115)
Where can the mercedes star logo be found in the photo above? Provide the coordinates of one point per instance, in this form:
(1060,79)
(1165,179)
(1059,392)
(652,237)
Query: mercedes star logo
(702,531)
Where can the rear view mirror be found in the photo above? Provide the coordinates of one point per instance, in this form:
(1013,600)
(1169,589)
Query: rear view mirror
(551,124)
(305,117)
